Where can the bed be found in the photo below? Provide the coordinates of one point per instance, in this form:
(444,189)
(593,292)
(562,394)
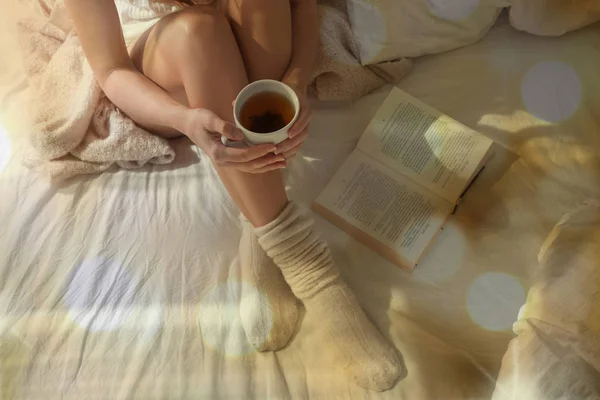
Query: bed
(125,285)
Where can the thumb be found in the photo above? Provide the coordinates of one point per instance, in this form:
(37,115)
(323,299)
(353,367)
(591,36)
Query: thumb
(230,131)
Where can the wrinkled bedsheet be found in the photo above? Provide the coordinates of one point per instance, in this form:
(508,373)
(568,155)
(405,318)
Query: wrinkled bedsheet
(126,285)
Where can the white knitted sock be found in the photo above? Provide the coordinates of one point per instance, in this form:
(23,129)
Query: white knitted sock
(308,268)
(268,309)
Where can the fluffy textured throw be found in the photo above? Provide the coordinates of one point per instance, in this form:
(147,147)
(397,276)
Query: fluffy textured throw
(75,129)
(339,74)
(308,268)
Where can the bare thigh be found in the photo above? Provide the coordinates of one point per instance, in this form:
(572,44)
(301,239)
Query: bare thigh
(193,55)
(263,37)
(201,57)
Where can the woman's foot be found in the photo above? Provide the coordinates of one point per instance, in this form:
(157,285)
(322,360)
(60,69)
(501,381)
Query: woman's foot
(268,309)
(308,268)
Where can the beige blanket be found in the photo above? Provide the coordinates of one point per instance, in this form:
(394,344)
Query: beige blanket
(339,74)
(76,130)
(557,351)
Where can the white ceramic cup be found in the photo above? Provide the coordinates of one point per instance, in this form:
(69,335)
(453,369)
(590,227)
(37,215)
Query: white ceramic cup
(265,85)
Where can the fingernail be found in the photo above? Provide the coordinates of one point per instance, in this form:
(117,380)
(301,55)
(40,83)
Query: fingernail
(276,152)
(281,159)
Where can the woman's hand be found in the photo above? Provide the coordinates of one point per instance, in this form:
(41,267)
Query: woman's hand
(205,129)
(299,131)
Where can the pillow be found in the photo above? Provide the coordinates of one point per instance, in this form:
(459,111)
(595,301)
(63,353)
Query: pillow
(389,29)
(553,17)
(556,354)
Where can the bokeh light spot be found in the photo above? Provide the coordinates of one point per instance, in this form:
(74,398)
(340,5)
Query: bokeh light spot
(100,295)
(551,91)
(494,299)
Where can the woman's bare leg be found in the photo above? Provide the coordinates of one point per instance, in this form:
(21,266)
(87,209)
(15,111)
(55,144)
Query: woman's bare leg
(290,239)
(194,55)
(208,72)
(264,35)
(195,52)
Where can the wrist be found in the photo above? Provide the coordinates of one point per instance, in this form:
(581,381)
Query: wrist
(178,118)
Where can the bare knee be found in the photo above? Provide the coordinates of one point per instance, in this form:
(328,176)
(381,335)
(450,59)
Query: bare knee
(178,41)
(191,30)
(199,20)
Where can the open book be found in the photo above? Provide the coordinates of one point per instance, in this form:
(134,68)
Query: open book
(406,176)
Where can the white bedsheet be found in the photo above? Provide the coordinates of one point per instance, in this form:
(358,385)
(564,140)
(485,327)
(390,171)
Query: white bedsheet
(123,285)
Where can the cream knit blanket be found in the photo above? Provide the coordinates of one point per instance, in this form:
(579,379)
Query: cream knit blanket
(74,128)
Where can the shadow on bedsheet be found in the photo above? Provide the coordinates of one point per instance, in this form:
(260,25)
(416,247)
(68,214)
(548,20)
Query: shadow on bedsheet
(186,156)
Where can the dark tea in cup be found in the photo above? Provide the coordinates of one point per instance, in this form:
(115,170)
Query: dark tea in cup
(266,112)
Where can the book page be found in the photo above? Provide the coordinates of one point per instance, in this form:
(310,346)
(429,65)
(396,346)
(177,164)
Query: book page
(424,145)
(399,215)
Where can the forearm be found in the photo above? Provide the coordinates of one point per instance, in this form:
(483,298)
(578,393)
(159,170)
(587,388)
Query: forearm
(142,100)
(99,30)
(305,42)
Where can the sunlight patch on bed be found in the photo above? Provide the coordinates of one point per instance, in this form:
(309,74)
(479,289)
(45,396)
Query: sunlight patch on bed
(512,123)
(100,295)
(309,159)
(551,91)
(445,257)
(452,10)
(15,358)
(494,299)
(152,320)
(219,318)
(5,149)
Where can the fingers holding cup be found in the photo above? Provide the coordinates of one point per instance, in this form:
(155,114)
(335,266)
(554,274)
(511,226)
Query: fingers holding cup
(303,119)
(294,143)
